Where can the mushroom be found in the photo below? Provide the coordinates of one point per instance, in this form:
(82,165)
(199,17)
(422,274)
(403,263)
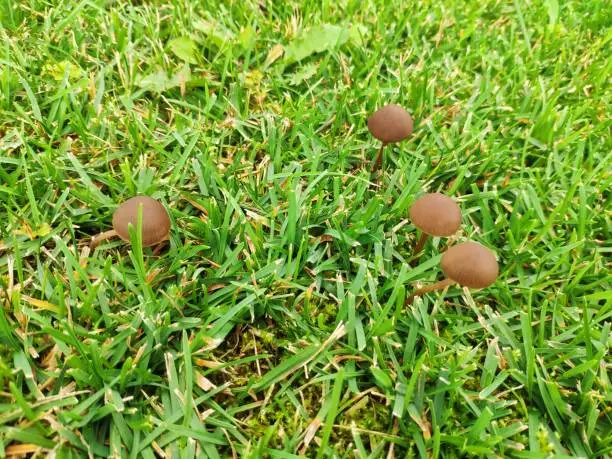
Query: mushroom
(468,264)
(435,214)
(389,124)
(155,221)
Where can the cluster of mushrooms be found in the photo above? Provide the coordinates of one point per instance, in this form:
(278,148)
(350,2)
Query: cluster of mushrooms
(468,264)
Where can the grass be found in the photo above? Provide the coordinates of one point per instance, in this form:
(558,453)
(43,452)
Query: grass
(273,324)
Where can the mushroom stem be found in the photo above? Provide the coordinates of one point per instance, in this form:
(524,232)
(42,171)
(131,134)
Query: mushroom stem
(160,245)
(379,157)
(430,288)
(96,240)
(421,243)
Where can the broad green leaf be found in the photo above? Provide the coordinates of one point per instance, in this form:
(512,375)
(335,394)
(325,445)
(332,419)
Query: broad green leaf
(58,70)
(20,361)
(180,78)
(358,34)
(318,39)
(247,37)
(159,81)
(553,11)
(303,74)
(215,32)
(275,52)
(382,378)
(382,327)
(184,48)
(156,81)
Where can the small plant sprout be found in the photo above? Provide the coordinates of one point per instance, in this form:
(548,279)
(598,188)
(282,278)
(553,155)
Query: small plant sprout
(155,222)
(434,214)
(389,124)
(468,264)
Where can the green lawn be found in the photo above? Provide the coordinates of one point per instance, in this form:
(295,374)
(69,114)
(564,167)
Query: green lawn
(273,324)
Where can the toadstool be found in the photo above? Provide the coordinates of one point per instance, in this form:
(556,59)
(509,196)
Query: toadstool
(468,264)
(435,214)
(389,124)
(155,221)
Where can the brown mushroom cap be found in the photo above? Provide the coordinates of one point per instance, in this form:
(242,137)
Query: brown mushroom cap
(155,220)
(470,264)
(436,214)
(390,123)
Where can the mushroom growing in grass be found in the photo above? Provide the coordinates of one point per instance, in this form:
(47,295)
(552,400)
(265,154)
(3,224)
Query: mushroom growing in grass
(435,214)
(155,222)
(389,124)
(468,264)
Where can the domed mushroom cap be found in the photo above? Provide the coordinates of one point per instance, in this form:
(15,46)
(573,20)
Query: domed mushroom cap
(390,123)
(155,220)
(436,214)
(470,264)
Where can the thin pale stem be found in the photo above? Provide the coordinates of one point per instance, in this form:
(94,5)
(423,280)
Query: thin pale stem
(96,240)
(430,288)
(379,157)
